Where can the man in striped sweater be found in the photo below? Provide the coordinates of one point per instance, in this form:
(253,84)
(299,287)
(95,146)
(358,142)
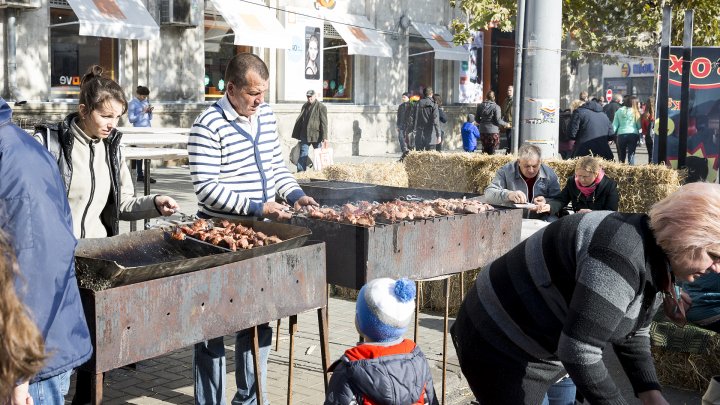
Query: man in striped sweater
(552,304)
(237,171)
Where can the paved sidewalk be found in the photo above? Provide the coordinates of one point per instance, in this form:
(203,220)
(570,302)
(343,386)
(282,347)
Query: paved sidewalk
(168,379)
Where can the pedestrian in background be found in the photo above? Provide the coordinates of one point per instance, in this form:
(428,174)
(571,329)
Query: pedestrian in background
(627,127)
(507,116)
(611,108)
(647,124)
(591,130)
(566,144)
(442,117)
(470,134)
(311,127)
(140,114)
(238,172)
(401,124)
(488,117)
(426,122)
(34,213)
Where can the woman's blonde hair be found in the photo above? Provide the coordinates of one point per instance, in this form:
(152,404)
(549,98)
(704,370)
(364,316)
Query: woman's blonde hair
(692,211)
(21,346)
(575,104)
(589,163)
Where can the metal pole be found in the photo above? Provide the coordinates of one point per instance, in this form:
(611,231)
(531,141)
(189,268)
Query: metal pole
(662,99)
(517,81)
(540,91)
(685,88)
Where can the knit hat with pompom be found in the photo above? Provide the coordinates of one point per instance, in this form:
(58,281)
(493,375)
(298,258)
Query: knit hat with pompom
(385,308)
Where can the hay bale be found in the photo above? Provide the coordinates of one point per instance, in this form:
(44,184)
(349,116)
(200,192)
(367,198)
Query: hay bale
(452,171)
(310,175)
(690,371)
(385,174)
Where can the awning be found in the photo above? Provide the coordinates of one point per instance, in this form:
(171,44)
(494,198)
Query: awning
(360,36)
(441,40)
(127,19)
(253,23)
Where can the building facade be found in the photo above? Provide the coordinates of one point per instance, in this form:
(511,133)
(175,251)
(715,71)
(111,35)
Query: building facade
(359,55)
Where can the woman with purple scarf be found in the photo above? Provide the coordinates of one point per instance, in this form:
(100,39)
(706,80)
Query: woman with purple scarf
(588,190)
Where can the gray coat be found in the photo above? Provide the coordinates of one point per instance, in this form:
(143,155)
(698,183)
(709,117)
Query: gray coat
(488,117)
(315,129)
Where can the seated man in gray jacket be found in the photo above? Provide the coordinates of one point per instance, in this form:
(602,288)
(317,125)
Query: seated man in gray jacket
(526,180)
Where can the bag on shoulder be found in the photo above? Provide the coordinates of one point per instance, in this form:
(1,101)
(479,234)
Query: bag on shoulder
(295,153)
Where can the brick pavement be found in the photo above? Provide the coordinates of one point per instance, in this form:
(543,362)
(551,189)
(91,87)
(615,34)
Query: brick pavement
(169,380)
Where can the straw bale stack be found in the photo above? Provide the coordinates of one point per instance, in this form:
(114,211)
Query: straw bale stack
(690,371)
(463,172)
(385,174)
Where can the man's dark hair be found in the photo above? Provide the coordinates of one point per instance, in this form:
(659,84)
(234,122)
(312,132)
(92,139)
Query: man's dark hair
(490,95)
(240,65)
(142,91)
(96,89)
(427,91)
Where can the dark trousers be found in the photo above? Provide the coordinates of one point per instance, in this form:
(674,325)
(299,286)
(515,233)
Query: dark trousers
(649,141)
(499,377)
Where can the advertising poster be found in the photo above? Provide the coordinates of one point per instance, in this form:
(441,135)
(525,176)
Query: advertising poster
(304,59)
(704,120)
(471,72)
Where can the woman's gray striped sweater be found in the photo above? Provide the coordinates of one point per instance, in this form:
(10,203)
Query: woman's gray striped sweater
(568,290)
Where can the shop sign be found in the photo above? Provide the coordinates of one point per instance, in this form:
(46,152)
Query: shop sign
(69,80)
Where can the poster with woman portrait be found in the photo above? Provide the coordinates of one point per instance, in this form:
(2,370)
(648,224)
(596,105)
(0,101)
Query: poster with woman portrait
(312,53)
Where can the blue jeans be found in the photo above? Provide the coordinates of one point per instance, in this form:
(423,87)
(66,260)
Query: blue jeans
(51,391)
(561,393)
(210,369)
(304,152)
(626,144)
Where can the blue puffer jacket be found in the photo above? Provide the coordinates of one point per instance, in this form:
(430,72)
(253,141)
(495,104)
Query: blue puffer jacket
(35,212)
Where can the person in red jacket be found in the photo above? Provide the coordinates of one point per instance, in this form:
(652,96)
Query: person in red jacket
(385,369)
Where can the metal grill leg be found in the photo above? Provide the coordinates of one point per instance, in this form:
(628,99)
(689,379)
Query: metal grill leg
(462,286)
(256,365)
(277,336)
(324,344)
(445,333)
(417,311)
(97,389)
(292,330)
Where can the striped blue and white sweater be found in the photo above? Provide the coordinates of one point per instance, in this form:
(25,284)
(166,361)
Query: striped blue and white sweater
(236,169)
(569,290)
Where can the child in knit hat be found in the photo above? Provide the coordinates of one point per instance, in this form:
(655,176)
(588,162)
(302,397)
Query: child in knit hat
(385,369)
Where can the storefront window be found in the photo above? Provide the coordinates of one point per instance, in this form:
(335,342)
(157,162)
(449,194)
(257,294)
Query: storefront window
(72,54)
(219,49)
(337,69)
(421,65)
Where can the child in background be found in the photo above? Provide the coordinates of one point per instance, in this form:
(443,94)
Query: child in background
(385,369)
(470,134)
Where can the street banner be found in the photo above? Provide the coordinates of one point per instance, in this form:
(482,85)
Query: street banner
(703,132)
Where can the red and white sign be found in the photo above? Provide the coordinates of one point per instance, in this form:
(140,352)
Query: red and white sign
(608,95)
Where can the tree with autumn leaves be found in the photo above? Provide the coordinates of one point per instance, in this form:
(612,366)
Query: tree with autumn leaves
(601,26)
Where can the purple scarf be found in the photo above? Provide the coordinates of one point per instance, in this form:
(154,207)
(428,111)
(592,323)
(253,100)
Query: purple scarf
(587,191)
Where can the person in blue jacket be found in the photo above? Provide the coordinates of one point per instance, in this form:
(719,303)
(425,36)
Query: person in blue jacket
(34,211)
(140,113)
(470,134)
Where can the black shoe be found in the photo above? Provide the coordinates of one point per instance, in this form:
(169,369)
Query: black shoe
(404,155)
(142,179)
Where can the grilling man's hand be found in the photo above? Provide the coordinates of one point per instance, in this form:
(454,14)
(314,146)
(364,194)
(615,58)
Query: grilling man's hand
(305,201)
(518,197)
(276,211)
(166,205)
